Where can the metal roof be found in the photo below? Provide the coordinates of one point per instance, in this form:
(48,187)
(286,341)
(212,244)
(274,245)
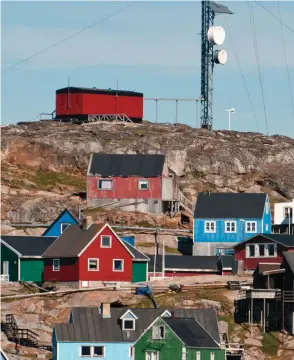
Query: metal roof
(191,333)
(72,241)
(126,165)
(89,325)
(289,257)
(138,255)
(283,239)
(185,262)
(29,245)
(229,206)
(73,89)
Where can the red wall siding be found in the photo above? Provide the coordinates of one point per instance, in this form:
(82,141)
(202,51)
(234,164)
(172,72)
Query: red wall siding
(124,188)
(69,270)
(105,256)
(132,106)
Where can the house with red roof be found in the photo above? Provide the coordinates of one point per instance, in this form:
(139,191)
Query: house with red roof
(87,257)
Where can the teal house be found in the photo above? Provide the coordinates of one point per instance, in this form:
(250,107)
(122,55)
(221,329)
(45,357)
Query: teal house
(21,257)
(59,225)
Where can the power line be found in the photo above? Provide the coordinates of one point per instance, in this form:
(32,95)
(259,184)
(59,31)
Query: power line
(286,60)
(69,37)
(242,74)
(274,16)
(252,24)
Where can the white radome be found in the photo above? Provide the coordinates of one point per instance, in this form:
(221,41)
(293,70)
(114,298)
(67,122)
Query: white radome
(220,57)
(216,35)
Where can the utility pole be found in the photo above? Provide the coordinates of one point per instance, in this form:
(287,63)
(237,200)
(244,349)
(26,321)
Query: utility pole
(210,35)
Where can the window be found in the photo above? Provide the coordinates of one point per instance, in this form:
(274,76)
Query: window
(152,355)
(85,351)
(105,184)
(92,351)
(158,332)
(198,356)
(251,250)
(143,184)
(271,249)
(98,351)
(212,356)
(209,227)
(63,226)
(93,264)
(128,324)
(118,265)
(131,352)
(288,212)
(230,226)
(56,264)
(261,250)
(251,226)
(105,241)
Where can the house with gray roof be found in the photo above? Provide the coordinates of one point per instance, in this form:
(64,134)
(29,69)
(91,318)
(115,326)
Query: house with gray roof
(112,332)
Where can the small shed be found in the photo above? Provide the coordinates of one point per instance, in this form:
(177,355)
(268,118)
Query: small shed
(21,257)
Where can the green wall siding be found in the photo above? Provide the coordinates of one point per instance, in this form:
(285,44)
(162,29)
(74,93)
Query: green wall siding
(31,270)
(139,271)
(219,354)
(169,349)
(8,255)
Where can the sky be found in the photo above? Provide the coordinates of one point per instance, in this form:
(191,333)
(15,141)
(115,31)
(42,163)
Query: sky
(150,47)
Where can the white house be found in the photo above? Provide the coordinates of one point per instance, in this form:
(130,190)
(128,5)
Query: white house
(284,217)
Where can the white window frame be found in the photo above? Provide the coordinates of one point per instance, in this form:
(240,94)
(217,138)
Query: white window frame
(290,210)
(256,251)
(95,259)
(85,356)
(143,181)
(101,188)
(210,231)
(152,351)
(251,223)
(122,265)
(58,264)
(98,356)
(198,355)
(212,356)
(134,324)
(65,223)
(230,231)
(110,241)
(131,351)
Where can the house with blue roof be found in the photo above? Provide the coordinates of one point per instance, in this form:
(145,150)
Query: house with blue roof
(66,218)
(222,220)
(111,332)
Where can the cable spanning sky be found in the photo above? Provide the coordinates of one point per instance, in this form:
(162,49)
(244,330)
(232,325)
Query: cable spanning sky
(152,47)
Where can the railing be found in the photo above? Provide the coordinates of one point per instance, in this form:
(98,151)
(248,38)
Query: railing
(259,294)
(109,117)
(19,334)
(186,203)
(287,296)
(234,348)
(4,277)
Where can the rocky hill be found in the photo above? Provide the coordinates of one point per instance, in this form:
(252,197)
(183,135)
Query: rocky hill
(44,163)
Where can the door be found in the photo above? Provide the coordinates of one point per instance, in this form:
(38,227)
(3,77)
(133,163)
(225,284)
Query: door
(152,355)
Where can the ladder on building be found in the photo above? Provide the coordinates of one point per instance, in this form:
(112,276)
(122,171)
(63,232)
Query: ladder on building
(185,202)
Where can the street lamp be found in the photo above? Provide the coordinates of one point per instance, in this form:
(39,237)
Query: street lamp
(233,112)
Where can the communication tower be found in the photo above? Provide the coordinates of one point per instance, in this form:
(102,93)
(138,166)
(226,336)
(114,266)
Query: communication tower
(210,36)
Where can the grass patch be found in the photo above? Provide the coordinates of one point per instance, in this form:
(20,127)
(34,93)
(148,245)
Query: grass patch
(49,179)
(99,209)
(270,343)
(144,224)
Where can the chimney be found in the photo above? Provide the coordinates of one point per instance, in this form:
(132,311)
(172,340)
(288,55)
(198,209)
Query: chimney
(87,221)
(106,314)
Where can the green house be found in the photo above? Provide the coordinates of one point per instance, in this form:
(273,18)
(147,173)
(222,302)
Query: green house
(21,257)
(179,338)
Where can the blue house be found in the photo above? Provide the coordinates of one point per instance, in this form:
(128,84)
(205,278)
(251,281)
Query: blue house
(111,333)
(66,218)
(221,220)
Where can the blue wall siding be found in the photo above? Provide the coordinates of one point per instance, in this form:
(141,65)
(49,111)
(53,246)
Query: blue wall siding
(54,228)
(113,351)
(220,235)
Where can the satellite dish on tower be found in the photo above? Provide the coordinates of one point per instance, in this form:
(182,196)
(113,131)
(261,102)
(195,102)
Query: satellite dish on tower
(220,57)
(216,35)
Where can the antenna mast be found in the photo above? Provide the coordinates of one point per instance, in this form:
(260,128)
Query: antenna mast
(210,35)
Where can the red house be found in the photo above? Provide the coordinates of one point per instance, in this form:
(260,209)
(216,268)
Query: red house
(132,182)
(87,257)
(80,103)
(263,248)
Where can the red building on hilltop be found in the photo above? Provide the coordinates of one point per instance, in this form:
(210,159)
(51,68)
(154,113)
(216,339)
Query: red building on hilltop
(81,103)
